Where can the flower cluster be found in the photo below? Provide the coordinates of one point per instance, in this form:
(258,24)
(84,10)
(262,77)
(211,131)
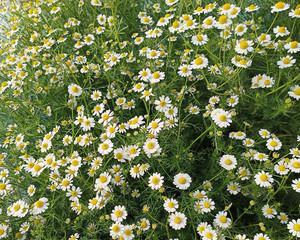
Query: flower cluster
(174,119)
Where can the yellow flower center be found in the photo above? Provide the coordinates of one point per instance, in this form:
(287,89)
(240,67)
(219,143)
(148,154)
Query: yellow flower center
(17,207)
(223,118)
(264,177)
(177,220)
(294,44)
(297,227)
(182,180)
(199,37)
(37,167)
(269,211)
(273,143)
(297,91)
(116,228)
(104,146)
(39,204)
(103,179)
(198,61)
(296,164)
(118,213)
(228,161)
(208,21)
(244,44)
(150,145)
(2,186)
(156,75)
(280,5)
(223,19)
(175,24)
(206,204)
(155,180)
(223,219)
(226,6)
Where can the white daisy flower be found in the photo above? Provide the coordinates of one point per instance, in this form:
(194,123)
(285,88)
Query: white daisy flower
(221,117)
(39,206)
(269,212)
(199,39)
(263,179)
(228,162)
(279,7)
(119,214)
(170,205)
(296,185)
(177,220)
(244,46)
(182,181)
(155,181)
(221,220)
(273,144)
(74,90)
(294,227)
(295,92)
(3,230)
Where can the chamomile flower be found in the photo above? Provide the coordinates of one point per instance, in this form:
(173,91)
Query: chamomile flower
(39,206)
(182,181)
(244,46)
(294,165)
(233,188)
(281,31)
(269,212)
(221,117)
(228,162)
(252,8)
(199,39)
(221,220)
(264,133)
(74,90)
(283,217)
(261,236)
(156,181)
(294,227)
(155,126)
(177,220)
(3,231)
(296,185)
(295,13)
(119,214)
(292,47)
(279,7)
(273,144)
(199,62)
(209,234)
(240,29)
(144,224)
(207,205)
(102,181)
(105,147)
(171,205)
(295,92)
(116,230)
(184,70)
(171,2)
(151,146)
(263,179)
(281,168)
(209,22)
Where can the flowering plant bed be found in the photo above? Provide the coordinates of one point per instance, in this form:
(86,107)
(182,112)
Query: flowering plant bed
(163,119)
